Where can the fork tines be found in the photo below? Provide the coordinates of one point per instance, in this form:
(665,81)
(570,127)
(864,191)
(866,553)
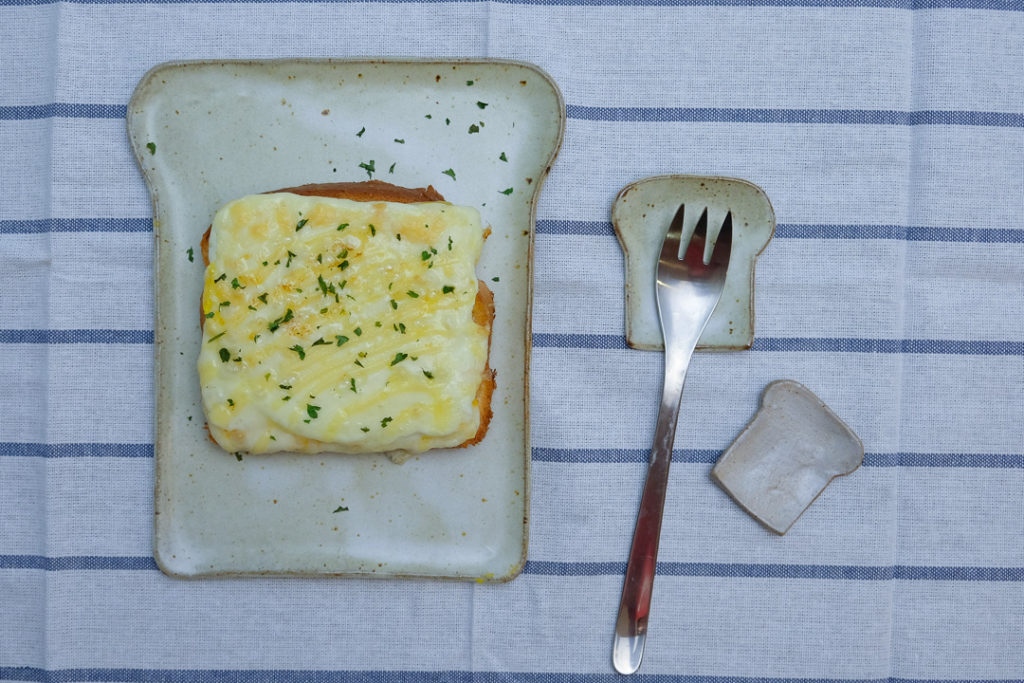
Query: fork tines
(696,247)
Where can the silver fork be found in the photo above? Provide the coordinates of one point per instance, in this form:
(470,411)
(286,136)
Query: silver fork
(687,289)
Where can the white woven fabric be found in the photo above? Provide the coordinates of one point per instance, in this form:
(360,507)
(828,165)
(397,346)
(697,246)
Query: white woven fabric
(889,136)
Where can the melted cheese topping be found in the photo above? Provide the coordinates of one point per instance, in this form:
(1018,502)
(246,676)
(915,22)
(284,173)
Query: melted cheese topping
(334,325)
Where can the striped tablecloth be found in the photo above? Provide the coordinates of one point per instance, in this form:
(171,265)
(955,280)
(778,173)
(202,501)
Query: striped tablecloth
(889,135)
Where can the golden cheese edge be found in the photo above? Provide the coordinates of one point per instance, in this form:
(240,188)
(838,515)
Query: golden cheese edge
(335,325)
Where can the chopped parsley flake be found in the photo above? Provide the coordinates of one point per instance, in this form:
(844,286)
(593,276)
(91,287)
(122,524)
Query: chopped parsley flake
(312,410)
(365,429)
(358,331)
(449,243)
(377,324)
(373,230)
(392,169)
(425,255)
(209,315)
(447,122)
(151,146)
(369,167)
(495,279)
(342,254)
(223,276)
(399,357)
(343,265)
(469,82)
(352,384)
(400,141)
(225,355)
(238,456)
(428,374)
(191,255)
(223,304)
(299,350)
(321,342)
(319,258)
(341,339)
(473,128)
(301,224)
(263,297)
(288,315)
(449,172)
(342,226)
(401,327)
(285,386)
(482,105)
(448,289)
(394,304)
(507,190)
(385,421)
(361,131)
(290,257)
(216,336)
(231,403)
(503,157)
(341,508)
(235,284)
(359,364)
(428,116)
(412,294)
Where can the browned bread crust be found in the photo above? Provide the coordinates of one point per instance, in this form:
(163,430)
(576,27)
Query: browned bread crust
(379,191)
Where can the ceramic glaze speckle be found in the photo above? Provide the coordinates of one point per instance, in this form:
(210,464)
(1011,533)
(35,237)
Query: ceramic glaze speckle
(223,130)
(641,215)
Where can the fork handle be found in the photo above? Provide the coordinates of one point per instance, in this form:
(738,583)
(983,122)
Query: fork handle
(635,605)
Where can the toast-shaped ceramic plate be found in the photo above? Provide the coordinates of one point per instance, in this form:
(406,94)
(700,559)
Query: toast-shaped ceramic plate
(205,133)
(641,215)
(787,455)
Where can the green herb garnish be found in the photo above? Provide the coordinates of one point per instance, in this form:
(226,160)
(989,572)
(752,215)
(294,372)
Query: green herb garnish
(341,339)
(223,276)
(209,315)
(369,167)
(312,410)
(263,297)
(392,168)
(507,190)
(342,226)
(286,387)
(358,331)
(413,294)
(235,284)
(394,304)
(482,105)
(225,355)
(288,315)
(399,357)
(352,384)
(448,289)
(428,374)
(495,279)
(301,224)
(299,350)
(341,509)
(469,82)
(216,336)
(321,342)
(449,172)
(503,157)
(373,230)
(361,131)
(399,141)
(385,421)
(190,255)
(290,257)
(151,146)
(473,128)
(365,429)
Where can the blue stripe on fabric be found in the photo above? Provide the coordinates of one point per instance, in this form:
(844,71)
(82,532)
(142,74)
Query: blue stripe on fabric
(76,450)
(824,231)
(569,456)
(79,563)
(994,5)
(859,117)
(809,344)
(76,336)
(603,341)
(543,568)
(46,225)
(96,675)
(709,456)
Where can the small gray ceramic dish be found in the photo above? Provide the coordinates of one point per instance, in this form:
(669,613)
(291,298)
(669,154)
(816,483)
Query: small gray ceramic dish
(484,133)
(641,215)
(792,449)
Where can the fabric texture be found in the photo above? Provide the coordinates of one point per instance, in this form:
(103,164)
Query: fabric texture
(889,136)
